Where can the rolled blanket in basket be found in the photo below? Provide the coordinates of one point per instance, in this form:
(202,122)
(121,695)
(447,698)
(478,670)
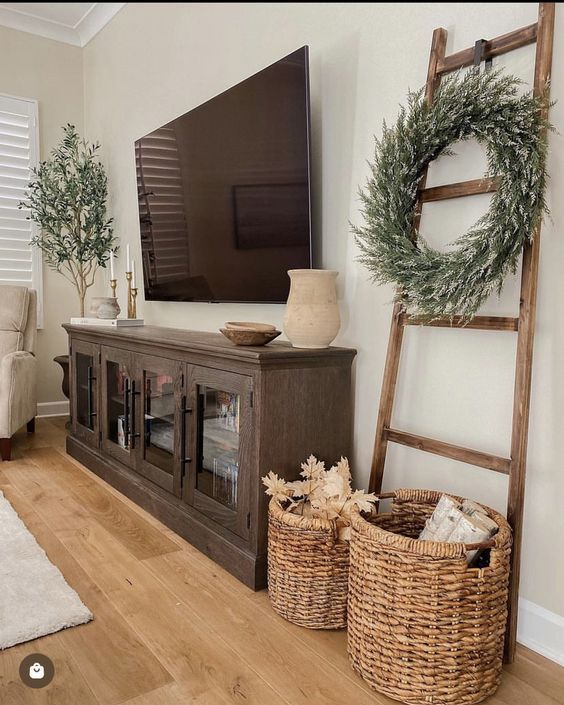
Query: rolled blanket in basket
(456,522)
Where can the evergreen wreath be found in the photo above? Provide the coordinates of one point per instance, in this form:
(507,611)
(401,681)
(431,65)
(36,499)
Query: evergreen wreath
(486,106)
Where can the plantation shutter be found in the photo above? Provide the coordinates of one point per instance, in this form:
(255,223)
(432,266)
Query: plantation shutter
(20,264)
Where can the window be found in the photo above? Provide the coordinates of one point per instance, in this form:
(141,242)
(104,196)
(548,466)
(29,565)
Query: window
(19,151)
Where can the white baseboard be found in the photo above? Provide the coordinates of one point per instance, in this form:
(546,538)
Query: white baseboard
(53,408)
(541,630)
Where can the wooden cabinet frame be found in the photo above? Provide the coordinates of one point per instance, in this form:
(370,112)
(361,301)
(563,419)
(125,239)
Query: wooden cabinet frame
(291,403)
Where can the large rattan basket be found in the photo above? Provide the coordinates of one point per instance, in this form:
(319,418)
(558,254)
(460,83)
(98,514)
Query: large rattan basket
(424,627)
(308,569)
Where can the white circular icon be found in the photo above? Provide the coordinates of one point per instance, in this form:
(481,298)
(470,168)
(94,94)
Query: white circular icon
(36,671)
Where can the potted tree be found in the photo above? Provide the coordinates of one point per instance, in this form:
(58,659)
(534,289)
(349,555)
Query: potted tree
(66,197)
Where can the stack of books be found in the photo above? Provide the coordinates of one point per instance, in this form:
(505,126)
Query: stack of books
(111,322)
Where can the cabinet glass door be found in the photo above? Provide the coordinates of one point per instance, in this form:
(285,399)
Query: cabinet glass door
(220,449)
(159,446)
(84,411)
(218,464)
(118,398)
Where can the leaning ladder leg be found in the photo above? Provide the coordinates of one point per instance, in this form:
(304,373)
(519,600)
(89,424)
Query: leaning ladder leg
(438,50)
(524,361)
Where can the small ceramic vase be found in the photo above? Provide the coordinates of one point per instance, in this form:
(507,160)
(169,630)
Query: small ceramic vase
(108,308)
(312,314)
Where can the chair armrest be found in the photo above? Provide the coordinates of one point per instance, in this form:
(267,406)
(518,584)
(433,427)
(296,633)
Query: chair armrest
(18,394)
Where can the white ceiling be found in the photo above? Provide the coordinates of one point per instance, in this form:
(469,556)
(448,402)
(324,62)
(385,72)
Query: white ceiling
(71,22)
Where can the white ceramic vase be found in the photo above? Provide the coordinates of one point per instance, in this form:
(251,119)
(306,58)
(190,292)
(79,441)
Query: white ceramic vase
(108,308)
(312,314)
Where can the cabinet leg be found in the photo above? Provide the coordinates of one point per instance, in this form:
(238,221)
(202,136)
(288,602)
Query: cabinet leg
(5,448)
(31,425)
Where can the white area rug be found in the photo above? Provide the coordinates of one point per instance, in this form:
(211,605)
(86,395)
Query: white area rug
(34,597)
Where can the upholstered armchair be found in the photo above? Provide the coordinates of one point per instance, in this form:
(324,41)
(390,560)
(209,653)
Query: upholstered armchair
(18,376)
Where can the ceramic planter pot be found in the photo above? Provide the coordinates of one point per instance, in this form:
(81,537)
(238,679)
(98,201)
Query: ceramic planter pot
(108,308)
(312,314)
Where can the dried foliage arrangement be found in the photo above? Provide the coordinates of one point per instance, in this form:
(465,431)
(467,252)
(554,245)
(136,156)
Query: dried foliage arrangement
(326,494)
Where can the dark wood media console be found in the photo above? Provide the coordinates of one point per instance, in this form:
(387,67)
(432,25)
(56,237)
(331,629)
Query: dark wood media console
(186,424)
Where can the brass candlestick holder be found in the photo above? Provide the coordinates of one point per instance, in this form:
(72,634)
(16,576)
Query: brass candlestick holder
(133,302)
(113,284)
(131,297)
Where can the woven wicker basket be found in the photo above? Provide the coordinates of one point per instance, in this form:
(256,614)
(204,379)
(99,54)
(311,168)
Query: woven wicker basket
(308,570)
(423,626)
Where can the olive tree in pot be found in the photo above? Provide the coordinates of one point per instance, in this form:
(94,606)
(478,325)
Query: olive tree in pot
(66,197)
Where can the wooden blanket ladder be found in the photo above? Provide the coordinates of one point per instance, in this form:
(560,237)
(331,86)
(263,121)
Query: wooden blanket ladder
(540,32)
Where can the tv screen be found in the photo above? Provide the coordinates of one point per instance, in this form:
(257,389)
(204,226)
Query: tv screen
(224,192)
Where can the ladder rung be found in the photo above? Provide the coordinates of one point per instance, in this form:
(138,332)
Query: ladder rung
(447,450)
(494,47)
(476,323)
(461,188)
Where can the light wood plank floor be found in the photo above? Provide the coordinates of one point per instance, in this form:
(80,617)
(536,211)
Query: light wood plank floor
(171,627)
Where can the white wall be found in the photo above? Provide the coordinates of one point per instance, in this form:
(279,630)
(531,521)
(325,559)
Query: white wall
(156,61)
(50,72)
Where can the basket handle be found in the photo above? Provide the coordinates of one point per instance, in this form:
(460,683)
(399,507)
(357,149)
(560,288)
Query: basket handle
(477,546)
(490,543)
(386,495)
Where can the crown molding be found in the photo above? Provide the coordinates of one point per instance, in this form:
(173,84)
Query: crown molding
(36,25)
(79,35)
(95,19)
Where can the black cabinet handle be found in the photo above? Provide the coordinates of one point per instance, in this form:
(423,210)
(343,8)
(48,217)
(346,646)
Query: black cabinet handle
(185,411)
(126,411)
(133,434)
(90,379)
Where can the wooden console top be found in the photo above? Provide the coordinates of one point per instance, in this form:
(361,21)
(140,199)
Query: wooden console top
(201,341)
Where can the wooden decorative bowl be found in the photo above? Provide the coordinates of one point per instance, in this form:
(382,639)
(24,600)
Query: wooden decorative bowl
(250,325)
(250,337)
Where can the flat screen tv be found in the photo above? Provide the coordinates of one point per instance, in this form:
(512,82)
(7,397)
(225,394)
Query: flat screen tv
(224,192)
